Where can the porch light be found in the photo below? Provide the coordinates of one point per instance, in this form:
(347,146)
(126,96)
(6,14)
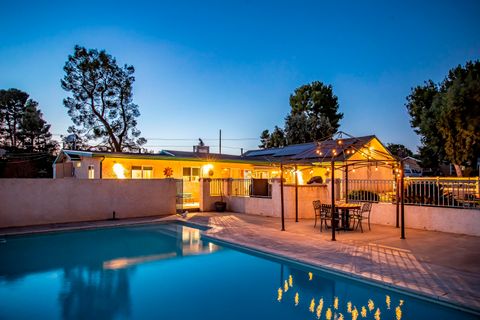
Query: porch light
(206,169)
(119,171)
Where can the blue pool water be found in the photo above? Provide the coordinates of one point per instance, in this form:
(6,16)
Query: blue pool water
(169,272)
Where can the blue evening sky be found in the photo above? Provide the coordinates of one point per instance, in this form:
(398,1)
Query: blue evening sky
(231,65)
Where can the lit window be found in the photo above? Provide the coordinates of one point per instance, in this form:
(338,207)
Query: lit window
(147,173)
(91,172)
(142,172)
(136,172)
(191,174)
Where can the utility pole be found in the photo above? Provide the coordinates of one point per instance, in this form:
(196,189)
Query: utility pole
(220,142)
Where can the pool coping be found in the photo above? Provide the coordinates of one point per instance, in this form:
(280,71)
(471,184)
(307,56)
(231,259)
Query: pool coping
(249,248)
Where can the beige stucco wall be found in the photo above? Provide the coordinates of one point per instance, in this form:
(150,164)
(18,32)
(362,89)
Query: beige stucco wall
(43,201)
(462,221)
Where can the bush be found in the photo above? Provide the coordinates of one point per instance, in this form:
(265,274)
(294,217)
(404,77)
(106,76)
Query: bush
(363,195)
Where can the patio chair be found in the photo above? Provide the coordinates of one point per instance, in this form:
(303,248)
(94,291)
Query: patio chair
(316,210)
(326,216)
(362,214)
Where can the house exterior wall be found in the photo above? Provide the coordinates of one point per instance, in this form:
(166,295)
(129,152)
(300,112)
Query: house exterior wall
(74,200)
(220,169)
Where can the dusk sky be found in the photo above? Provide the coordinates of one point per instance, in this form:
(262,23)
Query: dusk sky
(208,65)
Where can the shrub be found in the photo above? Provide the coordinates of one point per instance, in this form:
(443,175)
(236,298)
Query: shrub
(363,195)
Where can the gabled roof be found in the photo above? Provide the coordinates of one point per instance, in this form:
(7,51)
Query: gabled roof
(313,151)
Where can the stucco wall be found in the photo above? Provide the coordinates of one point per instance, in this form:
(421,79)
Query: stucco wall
(462,221)
(43,201)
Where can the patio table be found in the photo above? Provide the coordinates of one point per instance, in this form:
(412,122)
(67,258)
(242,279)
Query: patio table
(346,207)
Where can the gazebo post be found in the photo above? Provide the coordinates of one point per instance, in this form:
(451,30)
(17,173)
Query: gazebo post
(333,199)
(346,183)
(296,194)
(402,204)
(397,200)
(281,196)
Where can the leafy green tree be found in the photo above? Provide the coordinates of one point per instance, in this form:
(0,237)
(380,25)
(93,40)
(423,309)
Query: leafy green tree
(447,116)
(399,150)
(12,106)
(297,128)
(101,104)
(265,139)
(277,138)
(313,116)
(319,107)
(33,131)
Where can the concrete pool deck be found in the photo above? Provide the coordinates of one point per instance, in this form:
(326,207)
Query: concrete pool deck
(439,265)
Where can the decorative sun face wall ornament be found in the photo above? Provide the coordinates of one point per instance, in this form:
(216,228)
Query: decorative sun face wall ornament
(168,172)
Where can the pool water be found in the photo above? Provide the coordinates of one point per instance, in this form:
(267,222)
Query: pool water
(168,272)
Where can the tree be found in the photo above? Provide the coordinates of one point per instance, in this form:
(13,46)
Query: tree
(277,138)
(102,99)
(22,127)
(313,116)
(399,150)
(447,116)
(12,105)
(319,106)
(33,131)
(265,139)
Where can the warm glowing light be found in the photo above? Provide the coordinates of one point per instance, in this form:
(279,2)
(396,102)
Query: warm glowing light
(340,142)
(340,317)
(312,306)
(335,303)
(119,171)
(363,312)
(206,169)
(297,299)
(387,301)
(353,170)
(319,308)
(290,280)
(280,294)
(310,276)
(398,313)
(401,302)
(377,314)
(349,307)
(300,177)
(328,314)
(371,305)
(354,313)
(372,148)
(285,286)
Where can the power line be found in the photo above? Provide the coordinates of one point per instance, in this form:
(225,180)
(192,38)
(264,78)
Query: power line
(185,139)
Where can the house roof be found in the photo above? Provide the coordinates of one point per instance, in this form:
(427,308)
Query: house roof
(74,155)
(306,152)
(319,151)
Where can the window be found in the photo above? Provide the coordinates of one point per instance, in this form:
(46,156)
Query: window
(142,172)
(147,173)
(91,172)
(191,174)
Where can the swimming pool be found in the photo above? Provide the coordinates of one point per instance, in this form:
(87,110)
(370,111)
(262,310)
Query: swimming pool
(167,271)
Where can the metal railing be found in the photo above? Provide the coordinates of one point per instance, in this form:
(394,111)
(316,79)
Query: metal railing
(422,191)
(444,192)
(370,190)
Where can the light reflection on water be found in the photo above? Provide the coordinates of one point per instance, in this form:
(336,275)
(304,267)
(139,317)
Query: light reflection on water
(168,271)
